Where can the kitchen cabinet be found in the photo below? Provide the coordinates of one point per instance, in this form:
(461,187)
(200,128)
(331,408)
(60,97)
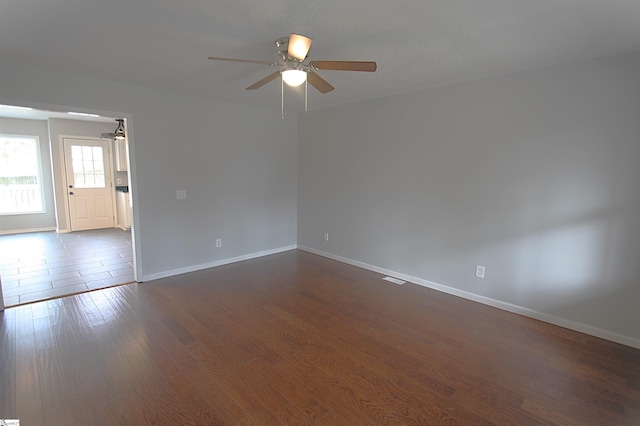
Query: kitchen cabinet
(121,155)
(123,207)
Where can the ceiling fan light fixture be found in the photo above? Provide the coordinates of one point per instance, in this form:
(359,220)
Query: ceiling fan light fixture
(294,78)
(119,134)
(299,46)
(294,71)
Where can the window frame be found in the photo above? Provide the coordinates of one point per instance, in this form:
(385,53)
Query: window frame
(39,176)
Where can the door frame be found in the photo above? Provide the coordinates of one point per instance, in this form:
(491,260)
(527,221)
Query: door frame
(109,177)
(65,183)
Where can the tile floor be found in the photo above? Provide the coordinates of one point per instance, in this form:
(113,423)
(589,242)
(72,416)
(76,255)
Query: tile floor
(43,265)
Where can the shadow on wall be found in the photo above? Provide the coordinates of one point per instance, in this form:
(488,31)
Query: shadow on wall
(582,268)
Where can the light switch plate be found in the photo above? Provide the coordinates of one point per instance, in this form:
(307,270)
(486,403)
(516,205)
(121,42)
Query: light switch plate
(181,194)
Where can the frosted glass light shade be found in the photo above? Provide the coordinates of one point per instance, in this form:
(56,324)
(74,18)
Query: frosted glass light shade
(298,46)
(294,77)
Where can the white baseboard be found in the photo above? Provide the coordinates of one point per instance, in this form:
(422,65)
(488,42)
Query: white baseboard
(27,231)
(521,310)
(213,264)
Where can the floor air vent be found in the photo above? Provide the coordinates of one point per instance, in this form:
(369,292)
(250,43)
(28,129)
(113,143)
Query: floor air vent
(394,280)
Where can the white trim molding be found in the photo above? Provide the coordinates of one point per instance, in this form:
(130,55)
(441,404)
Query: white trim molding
(215,263)
(521,310)
(27,231)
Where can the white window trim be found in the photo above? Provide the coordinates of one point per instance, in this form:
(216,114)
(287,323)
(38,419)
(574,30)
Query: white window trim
(40,176)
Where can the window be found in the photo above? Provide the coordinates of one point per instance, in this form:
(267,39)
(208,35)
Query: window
(88,166)
(20,175)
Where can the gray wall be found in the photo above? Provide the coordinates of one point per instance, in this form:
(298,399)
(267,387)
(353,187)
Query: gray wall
(533,175)
(237,164)
(32,221)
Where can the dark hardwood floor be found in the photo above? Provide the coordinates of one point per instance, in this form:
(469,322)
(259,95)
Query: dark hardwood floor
(295,338)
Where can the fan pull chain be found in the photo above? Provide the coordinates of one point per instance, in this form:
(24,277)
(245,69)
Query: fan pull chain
(282,96)
(306,85)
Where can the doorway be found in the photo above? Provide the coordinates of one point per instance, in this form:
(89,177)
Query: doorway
(89,183)
(85,259)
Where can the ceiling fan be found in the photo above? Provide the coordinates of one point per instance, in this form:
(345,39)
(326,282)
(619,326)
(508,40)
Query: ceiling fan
(293,51)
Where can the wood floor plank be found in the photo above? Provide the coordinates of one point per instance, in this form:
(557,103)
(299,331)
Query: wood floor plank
(29,404)
(229,401)
(8,387)
(295,338)
(49,370)
(193,398)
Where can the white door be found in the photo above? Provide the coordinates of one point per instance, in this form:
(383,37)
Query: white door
(90,185)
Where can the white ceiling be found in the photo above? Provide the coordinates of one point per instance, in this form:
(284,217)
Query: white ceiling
(416,43)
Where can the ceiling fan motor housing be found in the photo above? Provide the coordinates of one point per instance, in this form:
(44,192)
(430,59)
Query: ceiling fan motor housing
(290,63)
(282,48)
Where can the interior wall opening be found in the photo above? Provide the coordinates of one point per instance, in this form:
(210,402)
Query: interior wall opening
(83,237)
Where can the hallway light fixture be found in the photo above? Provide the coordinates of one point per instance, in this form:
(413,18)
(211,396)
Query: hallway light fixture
(119,133)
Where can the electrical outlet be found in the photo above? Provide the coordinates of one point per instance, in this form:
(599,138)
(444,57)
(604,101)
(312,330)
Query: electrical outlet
(326,236)
(479,271)
(181,194)
(219,242)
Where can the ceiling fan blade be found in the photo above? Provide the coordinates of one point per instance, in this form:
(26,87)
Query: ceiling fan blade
(215,58)
(344,65)
(264,81)
(298,46)
(319,83)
